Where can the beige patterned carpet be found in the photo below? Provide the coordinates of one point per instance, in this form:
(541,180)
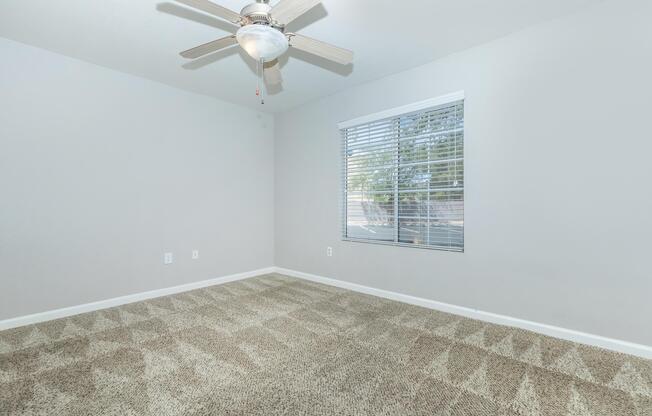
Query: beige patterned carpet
(274,345)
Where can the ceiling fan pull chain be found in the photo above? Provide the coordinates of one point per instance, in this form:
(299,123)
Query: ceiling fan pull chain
(262,81)
(257,79)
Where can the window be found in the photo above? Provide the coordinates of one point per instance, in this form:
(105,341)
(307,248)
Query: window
(403,178)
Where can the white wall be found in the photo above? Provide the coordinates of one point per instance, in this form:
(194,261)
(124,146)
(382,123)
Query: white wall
(558,200)
(102,172)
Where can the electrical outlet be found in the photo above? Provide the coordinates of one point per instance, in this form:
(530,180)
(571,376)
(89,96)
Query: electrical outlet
(168,258)
(195,254)
(329,251)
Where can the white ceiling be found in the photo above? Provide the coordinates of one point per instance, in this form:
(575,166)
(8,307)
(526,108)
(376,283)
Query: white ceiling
(143,37)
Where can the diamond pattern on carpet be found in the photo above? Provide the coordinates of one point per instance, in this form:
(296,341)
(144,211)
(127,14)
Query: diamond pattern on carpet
(275,345)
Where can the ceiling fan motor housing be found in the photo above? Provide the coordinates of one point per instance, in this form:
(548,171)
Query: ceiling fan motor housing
(258,14)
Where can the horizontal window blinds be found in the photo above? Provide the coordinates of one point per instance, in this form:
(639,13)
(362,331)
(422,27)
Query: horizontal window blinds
(404,179)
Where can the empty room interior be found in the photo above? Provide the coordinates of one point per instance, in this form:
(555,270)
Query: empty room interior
(305,207)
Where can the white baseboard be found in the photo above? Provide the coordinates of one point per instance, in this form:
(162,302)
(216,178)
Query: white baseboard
(553,331)
(137,297)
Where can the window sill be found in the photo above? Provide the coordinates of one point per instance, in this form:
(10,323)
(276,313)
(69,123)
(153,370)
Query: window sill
(408,245)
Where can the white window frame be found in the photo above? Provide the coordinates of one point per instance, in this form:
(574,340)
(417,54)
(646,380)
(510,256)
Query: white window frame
(391,113)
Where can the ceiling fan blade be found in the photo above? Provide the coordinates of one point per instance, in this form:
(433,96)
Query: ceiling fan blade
(209,47)
(272,73)
(319,48)
(214,9)
(286,11)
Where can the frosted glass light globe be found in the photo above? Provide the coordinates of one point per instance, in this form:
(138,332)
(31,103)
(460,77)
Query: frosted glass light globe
(262,42)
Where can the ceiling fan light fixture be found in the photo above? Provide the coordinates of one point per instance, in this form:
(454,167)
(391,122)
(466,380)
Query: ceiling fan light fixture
(262,42)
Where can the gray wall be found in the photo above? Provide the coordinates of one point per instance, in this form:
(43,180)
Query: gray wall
(102,172)
(558,200)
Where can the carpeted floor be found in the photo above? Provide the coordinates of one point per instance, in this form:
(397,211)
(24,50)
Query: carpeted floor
(279,346)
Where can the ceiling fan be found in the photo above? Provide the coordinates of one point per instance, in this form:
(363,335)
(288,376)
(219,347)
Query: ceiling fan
(262,34)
